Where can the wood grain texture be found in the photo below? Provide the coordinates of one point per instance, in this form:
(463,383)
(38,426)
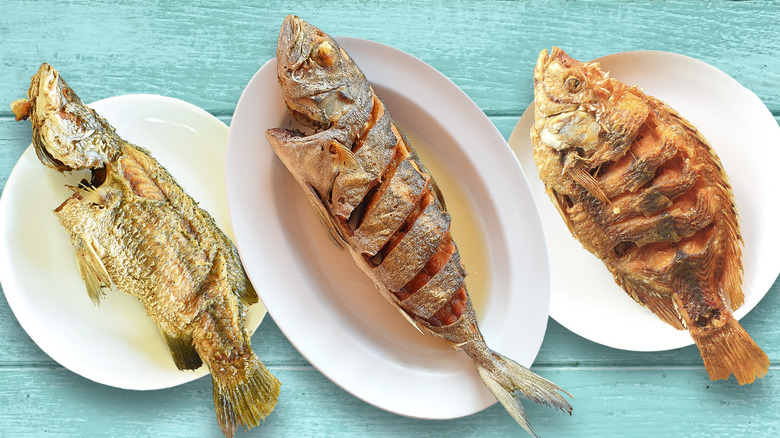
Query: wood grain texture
(206,52)
(636,402)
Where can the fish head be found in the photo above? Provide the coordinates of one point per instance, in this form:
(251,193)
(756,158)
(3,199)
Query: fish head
(315,74)
(314,160)
(568,95)
(67,135)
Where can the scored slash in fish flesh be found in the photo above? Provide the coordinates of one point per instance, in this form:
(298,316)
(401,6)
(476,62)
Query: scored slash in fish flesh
(135,230)
(643,191)
(376,198)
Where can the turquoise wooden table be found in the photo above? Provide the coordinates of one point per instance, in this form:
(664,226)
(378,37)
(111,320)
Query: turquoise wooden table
(206,52)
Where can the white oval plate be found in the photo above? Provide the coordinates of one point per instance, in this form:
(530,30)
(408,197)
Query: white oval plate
(115,344)
(319,298)
(585,299)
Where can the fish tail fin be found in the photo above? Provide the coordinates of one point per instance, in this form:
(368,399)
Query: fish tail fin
(729,349)
(244,398)
(510,381)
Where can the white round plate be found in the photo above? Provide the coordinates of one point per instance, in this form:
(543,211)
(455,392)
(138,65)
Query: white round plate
(321,300)
(585,299)
(116,343)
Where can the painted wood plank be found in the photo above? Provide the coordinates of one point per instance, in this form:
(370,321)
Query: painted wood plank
(206,52)
(609,402)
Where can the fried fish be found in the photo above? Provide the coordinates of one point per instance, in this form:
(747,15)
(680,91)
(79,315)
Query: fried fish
(643,191)
(377,199)
(134,230)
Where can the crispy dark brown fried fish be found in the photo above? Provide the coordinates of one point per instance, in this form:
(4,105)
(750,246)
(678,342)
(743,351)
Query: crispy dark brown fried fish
(642,190)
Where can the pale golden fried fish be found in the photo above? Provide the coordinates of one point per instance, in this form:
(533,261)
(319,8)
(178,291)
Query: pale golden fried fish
(643,191)
(378,200)
(136,231)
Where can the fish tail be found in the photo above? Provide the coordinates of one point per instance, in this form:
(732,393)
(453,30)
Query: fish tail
(510,381)
(244,400)
(729,349)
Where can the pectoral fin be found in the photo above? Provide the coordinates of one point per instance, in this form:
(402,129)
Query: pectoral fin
(326,219)
(92,269)
(586,180)
(345,158)
(89,194)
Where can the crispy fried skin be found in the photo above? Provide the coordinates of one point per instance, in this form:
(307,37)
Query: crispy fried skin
(642,190)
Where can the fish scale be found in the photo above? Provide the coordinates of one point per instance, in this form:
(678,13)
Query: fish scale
(414,249)
(389,208)
(437,291)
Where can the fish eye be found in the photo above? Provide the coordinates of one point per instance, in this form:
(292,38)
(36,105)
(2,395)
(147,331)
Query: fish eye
(573,84)
(68,93)
(324,54)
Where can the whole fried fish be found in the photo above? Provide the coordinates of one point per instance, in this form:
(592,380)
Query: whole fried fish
(377,199)
(135,230)
(642,190)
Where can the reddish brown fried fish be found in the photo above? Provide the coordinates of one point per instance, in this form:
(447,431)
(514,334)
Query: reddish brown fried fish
(642,190)
(378,200)
(135,230)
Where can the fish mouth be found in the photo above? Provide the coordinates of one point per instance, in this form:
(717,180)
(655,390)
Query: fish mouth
(546,59)
(45,87)
(559,55)
(45,98)
(542,62)
(293,48)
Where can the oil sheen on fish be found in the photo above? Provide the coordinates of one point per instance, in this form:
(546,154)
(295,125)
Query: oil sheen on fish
(643,191)
(135,230)
(377,199)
